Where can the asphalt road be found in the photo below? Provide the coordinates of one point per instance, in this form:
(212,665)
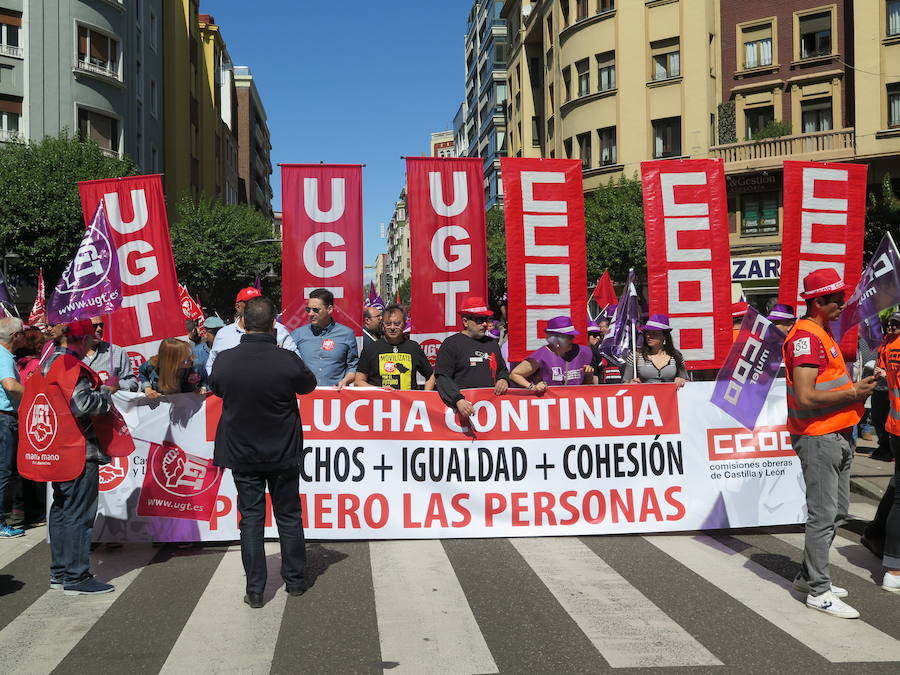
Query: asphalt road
(693,602)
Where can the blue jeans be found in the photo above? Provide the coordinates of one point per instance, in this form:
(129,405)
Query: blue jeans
(70,523)
(9,443)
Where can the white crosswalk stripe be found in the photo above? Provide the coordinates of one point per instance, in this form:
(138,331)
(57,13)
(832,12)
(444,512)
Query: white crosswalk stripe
(845,554)
(13,548)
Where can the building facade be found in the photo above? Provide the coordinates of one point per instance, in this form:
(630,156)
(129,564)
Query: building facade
(481,121)
(380,278)
(442,144)
(397,265)
(254,144)
(91,67)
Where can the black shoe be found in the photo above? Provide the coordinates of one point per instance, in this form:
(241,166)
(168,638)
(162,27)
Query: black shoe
(254,600)
(296,589)
(875,547)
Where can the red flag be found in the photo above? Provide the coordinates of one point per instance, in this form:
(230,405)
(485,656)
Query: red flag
(322,239)
(397,298)
(824,222)
(688,255)
(545,248)
(38,314)
(604,293)
(447,240)
(190,308)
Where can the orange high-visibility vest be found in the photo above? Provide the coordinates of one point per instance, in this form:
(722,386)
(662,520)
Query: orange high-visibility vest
(889,359)
(827,420)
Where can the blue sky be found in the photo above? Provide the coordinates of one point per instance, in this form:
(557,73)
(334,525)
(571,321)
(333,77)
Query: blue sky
(351,82)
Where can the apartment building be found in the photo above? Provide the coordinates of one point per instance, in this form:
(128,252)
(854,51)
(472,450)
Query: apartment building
(397,265)
(442,144)
(254,143)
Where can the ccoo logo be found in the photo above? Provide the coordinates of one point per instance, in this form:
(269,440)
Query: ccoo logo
(180,473)
(41,422)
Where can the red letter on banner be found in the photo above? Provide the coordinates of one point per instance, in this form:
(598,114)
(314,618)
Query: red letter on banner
(688,255)
(322,240)
(545,249)
(151,306)
(447,241)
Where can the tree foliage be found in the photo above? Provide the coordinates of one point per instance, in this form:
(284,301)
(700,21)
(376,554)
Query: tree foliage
(214,251)
(882,215)
(496,254)
(614,223)
(40,210)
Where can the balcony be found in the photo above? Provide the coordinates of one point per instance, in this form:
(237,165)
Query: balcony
(769,153)
(108,70)
(15,52)
(110,153)
(11,136)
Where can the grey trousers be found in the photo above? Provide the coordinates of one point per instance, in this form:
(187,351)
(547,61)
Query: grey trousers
(826,471)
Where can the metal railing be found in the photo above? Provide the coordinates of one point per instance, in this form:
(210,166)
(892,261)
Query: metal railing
(786,146)
(108,70)
(7,136)
(8,50)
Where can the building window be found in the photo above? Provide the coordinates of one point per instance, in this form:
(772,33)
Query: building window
(138,79)
(581,8)
(893,17)
(666,59)
(536,132)
(10,33)
(564,11)
(757,119)
(584,150)
(153,103)
(893,98)
(154,159)
(584,77)
(98,52)
(567,82)
(606,71)
(816,115)
(758,46)
(99,128)
(815,35)
(667,137)
(9,124)
(607,146)
(551,127)
(567,147)
(605,6)
(759,214)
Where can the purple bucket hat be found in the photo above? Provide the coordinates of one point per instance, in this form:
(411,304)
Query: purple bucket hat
(562,325)
(657,322)
(781,313)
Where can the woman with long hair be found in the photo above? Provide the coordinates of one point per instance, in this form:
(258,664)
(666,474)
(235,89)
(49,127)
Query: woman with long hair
(657,360)
(171,371)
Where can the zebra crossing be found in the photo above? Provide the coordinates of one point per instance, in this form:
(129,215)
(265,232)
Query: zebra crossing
(694,602)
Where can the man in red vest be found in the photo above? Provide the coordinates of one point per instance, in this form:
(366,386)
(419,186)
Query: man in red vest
(824,405)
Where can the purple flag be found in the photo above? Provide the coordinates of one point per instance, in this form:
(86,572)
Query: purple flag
(618,339)
(91,284)
(371,297)
(257,283)
(744,380)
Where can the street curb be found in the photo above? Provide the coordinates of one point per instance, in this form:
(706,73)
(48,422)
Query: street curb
(866,488)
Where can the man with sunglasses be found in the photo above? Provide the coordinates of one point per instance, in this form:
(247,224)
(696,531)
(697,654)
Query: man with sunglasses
(824,405)
(326,346)
(109,361)
(229,336)
(470,359)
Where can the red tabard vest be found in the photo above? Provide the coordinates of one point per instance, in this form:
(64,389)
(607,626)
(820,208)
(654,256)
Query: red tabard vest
(889,359)
(805,422)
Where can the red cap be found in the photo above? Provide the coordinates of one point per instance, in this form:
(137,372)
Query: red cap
(248,293)
(475,306)
(79,329)
(738,309)
(822,282)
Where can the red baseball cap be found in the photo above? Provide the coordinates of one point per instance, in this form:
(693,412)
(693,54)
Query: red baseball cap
(738,309)
(475,306)
(248,293)
(822,282)
(79,329)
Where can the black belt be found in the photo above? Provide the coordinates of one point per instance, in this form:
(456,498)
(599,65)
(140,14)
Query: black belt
(10,413)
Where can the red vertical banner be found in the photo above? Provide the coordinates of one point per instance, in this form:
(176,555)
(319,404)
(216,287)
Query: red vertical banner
(545,249)
(322,240)
(824,226)
(447,242)
(688,255)
(151,305)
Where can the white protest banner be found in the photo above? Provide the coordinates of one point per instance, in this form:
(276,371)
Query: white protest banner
(397,465)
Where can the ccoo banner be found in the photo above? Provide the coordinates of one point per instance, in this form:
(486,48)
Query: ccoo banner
(447,241)
(322,239)
(545,248)
(688,255)
(139,227)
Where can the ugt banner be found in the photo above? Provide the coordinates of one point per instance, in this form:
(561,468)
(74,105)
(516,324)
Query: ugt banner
(322,240)
(136,212)
(688,255)
(447,242)
(824,222)
(749,371)
(545,248)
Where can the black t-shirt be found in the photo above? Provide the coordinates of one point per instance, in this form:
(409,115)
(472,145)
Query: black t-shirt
(468,363)
(394,366)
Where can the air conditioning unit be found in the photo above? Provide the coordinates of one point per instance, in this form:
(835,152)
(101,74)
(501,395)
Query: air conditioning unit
(526,10)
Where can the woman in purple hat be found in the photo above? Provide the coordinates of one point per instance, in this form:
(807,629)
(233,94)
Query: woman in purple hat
(657,359)
(559,362)
(783,317)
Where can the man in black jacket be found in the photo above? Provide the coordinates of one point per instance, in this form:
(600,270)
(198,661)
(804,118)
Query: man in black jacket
(259,439)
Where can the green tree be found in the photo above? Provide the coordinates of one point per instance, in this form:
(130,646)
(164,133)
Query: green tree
(404,292)
(496,254)
(882,215)
(214,251)
(40,210)
(614,229)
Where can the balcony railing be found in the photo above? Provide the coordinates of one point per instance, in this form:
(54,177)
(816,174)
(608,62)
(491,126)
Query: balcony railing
(17,52)
(836,143)
(110,153)
(11,136)
(110,70)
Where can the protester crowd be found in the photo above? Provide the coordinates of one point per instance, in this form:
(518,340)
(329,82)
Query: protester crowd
(259,367)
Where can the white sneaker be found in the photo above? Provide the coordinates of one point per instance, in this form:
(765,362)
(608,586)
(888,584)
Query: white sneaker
(829,603)
(803,587)
(891,583)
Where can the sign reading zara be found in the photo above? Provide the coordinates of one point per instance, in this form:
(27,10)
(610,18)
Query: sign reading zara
(756,269)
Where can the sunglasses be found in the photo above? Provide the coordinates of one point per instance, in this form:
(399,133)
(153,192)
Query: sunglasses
(313,310)
(477,319)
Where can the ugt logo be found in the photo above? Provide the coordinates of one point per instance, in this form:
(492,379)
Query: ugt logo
(41,422)
(93,261)
(180,473)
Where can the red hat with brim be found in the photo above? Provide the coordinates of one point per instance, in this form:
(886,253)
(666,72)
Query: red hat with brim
(738,309)
(248,293)
(822,282)
(79,329)
(475,306)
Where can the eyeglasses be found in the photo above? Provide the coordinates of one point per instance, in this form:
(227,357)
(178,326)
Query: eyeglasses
(388,324)
(477,319)
(314,310)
